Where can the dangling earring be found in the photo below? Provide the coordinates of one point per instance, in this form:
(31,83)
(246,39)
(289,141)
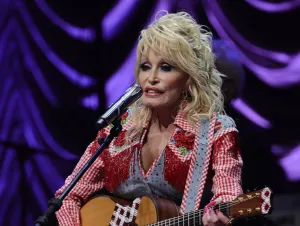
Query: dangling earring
(187,95)
(184,95)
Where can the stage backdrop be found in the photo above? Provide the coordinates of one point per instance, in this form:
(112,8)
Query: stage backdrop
(63,62)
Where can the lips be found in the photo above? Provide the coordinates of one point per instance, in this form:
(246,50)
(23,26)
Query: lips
(153,90)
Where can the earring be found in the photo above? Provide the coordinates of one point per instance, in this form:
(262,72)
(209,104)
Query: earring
(187,94)
(184,95)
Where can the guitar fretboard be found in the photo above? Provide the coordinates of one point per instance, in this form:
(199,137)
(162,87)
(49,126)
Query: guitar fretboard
(193,218)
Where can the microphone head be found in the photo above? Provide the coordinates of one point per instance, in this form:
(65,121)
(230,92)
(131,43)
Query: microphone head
(118,108)
(100,124)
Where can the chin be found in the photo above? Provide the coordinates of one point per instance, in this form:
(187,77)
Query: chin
(156,104)
(152,103)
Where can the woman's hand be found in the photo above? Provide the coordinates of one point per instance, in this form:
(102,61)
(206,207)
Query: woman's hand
(214,218)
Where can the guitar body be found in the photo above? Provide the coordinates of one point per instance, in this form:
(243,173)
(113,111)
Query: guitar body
(102,210)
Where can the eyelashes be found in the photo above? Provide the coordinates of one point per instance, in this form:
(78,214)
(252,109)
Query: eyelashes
(144,67)
(165,67)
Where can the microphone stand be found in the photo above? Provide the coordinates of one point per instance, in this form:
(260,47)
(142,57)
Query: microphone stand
(55,204)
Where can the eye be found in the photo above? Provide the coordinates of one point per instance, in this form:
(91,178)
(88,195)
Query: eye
(144,67)
(166,67)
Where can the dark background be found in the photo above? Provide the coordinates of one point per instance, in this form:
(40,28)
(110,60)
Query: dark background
(57,59)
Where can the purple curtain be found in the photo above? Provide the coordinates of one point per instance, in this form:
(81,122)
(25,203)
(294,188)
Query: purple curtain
(62,63)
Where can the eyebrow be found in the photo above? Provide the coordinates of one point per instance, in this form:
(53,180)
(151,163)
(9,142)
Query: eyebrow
(146,59)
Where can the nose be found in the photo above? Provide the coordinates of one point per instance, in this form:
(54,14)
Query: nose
(153,79)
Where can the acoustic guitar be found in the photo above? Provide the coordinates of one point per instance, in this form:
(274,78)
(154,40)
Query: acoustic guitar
(106,210)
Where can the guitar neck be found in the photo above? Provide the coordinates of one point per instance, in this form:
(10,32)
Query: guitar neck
(193,218)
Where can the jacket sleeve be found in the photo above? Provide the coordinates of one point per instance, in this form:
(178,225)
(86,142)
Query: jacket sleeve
(91,181)
(227,165)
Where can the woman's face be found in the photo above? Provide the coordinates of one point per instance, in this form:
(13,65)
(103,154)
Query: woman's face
(161,82)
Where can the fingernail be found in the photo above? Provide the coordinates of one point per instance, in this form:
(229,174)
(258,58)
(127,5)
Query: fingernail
(217,211)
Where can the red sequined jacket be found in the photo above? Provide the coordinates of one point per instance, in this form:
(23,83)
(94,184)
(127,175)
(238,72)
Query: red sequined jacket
(226,164)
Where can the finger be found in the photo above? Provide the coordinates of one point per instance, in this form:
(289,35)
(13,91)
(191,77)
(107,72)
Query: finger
(213,218)
(204,218)
(212,203)
(215,202)
(208,218)
(222,217)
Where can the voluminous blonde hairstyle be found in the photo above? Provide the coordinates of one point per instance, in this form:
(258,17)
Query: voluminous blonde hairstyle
(183,43)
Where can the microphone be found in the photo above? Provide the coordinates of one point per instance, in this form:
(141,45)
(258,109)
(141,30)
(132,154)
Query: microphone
(118,108)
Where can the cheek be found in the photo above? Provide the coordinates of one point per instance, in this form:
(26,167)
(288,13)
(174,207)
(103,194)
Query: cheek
(141,78)
(177,86)
(174,95)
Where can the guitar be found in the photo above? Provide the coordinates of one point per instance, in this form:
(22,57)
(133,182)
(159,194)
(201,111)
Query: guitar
(105,210)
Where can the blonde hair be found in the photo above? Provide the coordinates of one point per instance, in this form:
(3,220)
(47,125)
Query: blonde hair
(183,43)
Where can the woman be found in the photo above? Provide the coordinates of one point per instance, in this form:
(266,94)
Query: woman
(156,148)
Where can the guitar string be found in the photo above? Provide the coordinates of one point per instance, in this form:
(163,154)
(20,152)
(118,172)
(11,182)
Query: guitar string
(191,216)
